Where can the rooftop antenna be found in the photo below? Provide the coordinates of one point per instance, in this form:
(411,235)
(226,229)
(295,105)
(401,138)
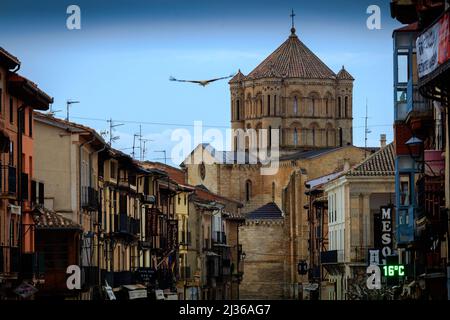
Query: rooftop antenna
(144,150)
(163,151)
(111,128)
(68,104)
(134,143)
(52,112)
(366,130)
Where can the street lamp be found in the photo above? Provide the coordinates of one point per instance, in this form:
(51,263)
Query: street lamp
(414,145)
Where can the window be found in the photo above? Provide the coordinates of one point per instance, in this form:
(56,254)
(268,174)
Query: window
(185,199)
(11,110)
(275,105)
(21,120)
(295,105)
(270,136)
(326,107)
(346,108)
(248,190)
(268,105)
(11,153)
(30,123)
(339,107)
(113,170)
(237,110)
(179,200)
(273,191)
(295,137)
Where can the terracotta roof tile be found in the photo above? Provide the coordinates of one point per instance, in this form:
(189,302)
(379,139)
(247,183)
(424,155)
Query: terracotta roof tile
(268,211)
(238,77)
(344,75)
(47,219)
(381,163)
(292,60)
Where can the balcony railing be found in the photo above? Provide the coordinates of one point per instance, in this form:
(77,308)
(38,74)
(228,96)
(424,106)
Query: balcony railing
(89,198)
(219,237)
(332,256)
(123,224)
(8,180)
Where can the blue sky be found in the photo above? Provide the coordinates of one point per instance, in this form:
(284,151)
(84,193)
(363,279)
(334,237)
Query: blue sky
(119,63)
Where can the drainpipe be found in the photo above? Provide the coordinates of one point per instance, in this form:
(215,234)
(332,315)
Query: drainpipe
(20,125)
(98,223)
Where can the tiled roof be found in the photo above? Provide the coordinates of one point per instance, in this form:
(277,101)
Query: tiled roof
(381,163)
(237,77)
(292,60)
(47,219)
(268,211)
(176,174)
(344,75)
(8,58)
(308,154)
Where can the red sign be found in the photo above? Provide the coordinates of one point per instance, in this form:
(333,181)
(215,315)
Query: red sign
(444,39)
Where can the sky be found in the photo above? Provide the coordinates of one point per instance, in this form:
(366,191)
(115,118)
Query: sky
(119,63)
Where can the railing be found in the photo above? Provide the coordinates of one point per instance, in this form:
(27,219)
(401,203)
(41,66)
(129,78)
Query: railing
(219,237)
(332,256)
(89,198)
(126,225)
(8,180)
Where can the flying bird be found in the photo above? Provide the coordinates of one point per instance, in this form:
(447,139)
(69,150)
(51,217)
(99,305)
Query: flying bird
(203,83)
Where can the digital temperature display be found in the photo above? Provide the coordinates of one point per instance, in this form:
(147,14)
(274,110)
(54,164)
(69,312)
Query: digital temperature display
(394,271)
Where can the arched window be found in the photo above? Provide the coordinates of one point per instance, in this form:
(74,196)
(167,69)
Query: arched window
(295,137)
(340,137)
(275,105)
(313,106)
(237,110)
(248,190)
(346,107)
(339,107)
(268,105)
(273,191)
(295,105)
(269,136)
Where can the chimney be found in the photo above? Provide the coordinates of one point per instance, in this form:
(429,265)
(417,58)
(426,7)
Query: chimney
(346,164)
(382,140)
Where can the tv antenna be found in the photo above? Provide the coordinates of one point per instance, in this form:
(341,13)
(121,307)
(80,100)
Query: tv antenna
(113,138)
(366,130)
(68,105)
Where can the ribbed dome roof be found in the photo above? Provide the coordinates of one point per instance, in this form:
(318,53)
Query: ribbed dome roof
(292,60)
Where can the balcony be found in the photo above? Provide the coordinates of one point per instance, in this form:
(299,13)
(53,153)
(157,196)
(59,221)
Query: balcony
(219,237)
(332,257)
(8,178)
(125,225)
(89,198)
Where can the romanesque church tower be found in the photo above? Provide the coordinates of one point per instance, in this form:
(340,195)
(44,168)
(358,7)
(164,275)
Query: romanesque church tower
(294,91)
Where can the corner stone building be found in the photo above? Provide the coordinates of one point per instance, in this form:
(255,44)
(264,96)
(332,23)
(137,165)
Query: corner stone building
(294,91)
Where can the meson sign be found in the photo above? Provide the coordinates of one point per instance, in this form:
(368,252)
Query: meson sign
(386,233)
